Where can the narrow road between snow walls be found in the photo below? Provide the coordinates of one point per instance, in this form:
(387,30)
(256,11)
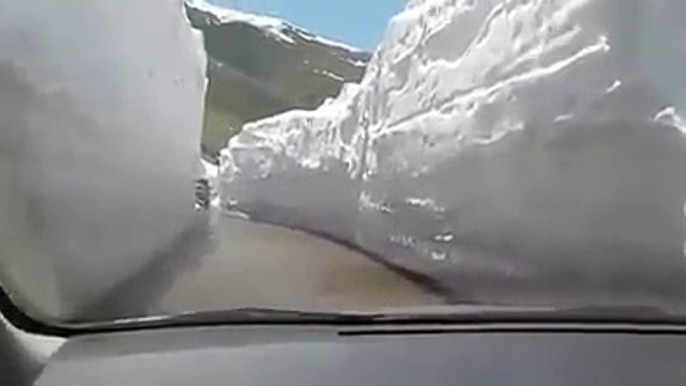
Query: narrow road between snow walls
(230,262)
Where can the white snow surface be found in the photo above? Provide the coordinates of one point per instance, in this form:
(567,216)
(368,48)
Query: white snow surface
(273,25)
(100,119)
(279,28)
(326,41)
(492,141)
(299,157)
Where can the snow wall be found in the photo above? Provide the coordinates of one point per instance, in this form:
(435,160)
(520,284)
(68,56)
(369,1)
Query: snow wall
(100,119)
(507,149)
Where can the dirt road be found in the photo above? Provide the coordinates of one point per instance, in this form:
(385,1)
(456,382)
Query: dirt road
(259,265)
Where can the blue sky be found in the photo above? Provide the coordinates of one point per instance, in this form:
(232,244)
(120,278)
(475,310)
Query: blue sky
(360,23)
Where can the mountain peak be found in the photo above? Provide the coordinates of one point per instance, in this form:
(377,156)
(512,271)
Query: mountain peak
(260,66)
(283,30)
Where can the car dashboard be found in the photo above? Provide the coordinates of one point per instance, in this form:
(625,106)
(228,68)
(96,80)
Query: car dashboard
(480,355)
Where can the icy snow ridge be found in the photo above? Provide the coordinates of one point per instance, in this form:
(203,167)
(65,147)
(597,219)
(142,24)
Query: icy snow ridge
(496,144)
(100,121)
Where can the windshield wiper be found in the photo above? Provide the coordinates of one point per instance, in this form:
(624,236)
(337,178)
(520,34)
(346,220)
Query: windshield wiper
(239,316)
(633,314)
(269,315)
(544,315)
(459,315)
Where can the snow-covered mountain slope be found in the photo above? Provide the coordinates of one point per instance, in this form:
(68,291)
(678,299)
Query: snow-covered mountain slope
(100,120)
(261,66)
(274,26)
(497,146)
(281,29)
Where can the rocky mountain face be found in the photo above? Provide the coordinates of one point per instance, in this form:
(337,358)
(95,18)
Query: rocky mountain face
(261,66)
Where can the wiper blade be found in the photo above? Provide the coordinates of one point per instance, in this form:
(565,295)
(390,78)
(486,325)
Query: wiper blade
(626,313)
(253,314)
(531,315)
(461,315)
(239,316)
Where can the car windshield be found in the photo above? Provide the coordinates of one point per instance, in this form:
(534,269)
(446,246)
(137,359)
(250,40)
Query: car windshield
(305,158)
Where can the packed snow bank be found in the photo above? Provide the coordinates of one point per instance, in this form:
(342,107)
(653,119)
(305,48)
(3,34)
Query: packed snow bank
(529,129)
(298,168)
(499,140)
(100,121)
